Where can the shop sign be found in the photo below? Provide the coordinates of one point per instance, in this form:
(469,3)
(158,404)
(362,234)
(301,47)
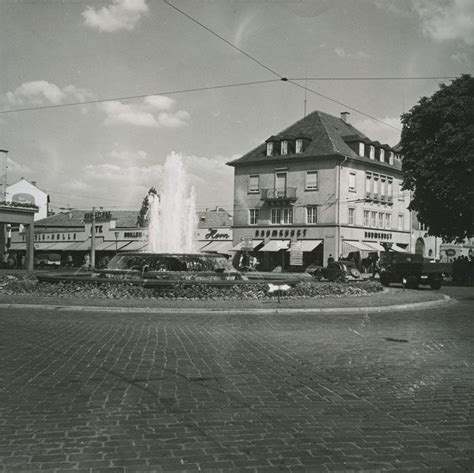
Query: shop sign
(214,234)
(296,254)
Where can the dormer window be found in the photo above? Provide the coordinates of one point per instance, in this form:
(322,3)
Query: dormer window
(299,145)
(372,152)
(361,149)
(390,157)
(284,147)
(382,155)
(270,148)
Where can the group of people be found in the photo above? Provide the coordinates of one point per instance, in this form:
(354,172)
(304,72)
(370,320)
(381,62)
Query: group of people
(463,270)
(248,262)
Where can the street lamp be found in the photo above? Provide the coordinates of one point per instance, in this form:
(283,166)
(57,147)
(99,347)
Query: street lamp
(116,241)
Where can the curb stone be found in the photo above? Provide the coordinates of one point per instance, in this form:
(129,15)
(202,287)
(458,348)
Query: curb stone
(204,310)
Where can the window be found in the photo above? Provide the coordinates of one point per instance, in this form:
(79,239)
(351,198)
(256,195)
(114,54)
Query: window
(383,184)
(253,184)
(361,149)
(284,147)
(368,182)
(372,152)
(311,180)
(253,216)
(401,222)
(351,216)
(382,155)
(282,216)
(311,215)
(270,148)
(276,216)
(390,188)
(401,193)
(381,220)
(390,157)
(373,219)
(352,181)
(388,221)
(366,218)
(376,184)
(299,145)
(287,216)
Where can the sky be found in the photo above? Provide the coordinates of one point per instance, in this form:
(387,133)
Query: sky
(54,52)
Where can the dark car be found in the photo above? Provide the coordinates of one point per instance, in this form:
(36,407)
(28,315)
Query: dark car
(48,260)
(338,271)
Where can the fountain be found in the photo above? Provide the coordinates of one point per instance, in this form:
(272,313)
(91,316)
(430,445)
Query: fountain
(172,212)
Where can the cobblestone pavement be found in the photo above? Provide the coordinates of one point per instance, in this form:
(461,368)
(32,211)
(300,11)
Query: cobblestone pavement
(119,393)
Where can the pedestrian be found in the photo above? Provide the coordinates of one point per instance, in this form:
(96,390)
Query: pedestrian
(375,265)
(69,262)
(330,258)
(87,261)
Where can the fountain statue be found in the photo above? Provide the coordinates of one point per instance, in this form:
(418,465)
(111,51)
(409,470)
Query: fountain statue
(172,213)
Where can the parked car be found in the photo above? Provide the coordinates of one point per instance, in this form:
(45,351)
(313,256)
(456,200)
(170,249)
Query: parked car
(48,260)
(338,271)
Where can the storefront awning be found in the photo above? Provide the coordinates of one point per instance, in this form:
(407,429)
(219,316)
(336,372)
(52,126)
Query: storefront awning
(218,247)
(18,246)
(309,245)
(376,246)
(398,249)
(255,243)
(276,245)
(134,246)
(350,246)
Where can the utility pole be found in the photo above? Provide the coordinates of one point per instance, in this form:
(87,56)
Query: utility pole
(5,175)
(93,239)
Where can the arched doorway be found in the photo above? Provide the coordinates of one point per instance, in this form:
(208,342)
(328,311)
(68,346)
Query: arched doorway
(420,247)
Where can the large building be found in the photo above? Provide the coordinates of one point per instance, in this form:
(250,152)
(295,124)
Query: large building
(317,189)
(26,192)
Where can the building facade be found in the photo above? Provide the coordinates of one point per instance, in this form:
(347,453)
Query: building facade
(317,189)
(27,192)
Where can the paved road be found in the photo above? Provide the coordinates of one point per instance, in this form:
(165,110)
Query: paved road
(137,392)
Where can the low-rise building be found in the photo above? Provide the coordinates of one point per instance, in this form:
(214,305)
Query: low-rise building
(319,189)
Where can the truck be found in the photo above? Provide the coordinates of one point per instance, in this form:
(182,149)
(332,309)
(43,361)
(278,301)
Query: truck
(411,270)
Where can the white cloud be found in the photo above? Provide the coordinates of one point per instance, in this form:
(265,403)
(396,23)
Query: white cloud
(159,102)
(127,156)
(120,15)
(379,132)
(41,92)
(145,114)
(348,54)
(77,185)
(445,20)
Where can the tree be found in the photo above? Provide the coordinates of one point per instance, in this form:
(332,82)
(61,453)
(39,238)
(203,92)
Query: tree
(437,144)
(142,219)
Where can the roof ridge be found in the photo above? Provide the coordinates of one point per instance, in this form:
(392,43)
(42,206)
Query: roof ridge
(327,132)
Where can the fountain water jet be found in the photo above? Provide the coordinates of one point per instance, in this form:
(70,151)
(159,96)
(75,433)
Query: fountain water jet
(172,213)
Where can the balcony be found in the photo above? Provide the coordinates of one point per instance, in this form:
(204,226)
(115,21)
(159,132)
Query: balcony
(390,200)
(279,195)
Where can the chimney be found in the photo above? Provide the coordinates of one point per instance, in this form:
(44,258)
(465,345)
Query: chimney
(345,116)
(33,182)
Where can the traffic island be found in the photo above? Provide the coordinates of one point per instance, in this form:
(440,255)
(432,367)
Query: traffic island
(24,289)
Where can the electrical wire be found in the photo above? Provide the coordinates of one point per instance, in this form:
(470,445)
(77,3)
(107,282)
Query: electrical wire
(372,78)
(141,96)
(344,105)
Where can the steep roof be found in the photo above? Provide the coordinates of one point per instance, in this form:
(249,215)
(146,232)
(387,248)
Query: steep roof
(75,218)
(214,218)
(328,136)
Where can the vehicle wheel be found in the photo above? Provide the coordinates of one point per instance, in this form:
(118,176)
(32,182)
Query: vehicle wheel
(355,273)
(412,282)
(385,280)
(436,284)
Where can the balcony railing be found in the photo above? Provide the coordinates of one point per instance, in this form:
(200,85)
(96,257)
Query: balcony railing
(288,193)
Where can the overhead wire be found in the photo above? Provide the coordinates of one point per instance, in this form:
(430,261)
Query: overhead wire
(141,96)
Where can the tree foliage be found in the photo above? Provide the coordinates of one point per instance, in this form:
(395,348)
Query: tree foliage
(438,153)
(142,219)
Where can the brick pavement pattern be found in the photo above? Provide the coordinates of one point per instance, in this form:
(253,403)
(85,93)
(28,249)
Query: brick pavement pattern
(137,393)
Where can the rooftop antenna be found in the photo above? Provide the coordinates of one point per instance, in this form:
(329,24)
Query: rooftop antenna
(305,89)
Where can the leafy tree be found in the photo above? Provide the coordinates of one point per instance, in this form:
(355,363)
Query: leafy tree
(142,219)
(437,144)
